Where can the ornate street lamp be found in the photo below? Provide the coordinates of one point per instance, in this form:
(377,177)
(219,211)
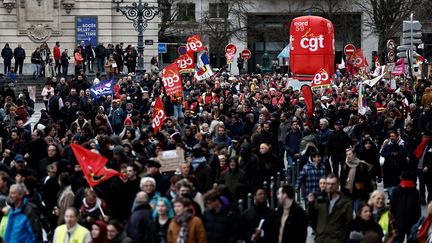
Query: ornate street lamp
(140,14)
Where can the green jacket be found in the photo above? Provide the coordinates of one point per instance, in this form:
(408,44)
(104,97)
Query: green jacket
(331,226)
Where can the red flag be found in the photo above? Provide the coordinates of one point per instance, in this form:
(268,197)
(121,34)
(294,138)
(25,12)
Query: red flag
(186,63)
(321,80)
(194,44)
(308,98)
(93,166)
(171,79)
(158,115)
(357,59)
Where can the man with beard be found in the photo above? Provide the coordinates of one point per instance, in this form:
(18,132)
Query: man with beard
(252,217)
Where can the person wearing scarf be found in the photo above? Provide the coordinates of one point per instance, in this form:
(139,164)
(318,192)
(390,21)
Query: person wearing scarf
(405,205)
(93,208)
(185,227)
(356,179)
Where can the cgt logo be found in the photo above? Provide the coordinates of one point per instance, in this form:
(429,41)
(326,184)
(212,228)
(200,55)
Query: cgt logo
(170,79)
(320,77)
(311,42)
(184,63)
(157,119)
(194,45)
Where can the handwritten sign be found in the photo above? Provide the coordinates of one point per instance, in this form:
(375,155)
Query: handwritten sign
(171,159)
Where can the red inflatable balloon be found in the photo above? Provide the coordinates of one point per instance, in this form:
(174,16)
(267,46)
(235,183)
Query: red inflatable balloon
(312,46)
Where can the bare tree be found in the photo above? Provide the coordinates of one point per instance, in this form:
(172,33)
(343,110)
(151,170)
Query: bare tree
(228,20)
(385,17)
(170,24)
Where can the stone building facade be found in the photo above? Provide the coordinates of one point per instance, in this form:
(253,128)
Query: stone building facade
(32,22)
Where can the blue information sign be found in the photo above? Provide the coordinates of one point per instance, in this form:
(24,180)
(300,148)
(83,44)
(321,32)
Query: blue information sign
(162,48)
(87,30)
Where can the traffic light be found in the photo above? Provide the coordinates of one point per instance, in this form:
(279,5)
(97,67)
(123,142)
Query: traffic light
(411,38)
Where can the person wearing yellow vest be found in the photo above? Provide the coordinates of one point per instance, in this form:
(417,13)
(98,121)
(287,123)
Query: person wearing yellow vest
(71,231)
(381,215)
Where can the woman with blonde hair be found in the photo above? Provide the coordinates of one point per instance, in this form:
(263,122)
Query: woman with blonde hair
(382,215)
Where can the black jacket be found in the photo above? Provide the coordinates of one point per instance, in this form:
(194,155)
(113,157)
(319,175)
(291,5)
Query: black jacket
(19,53)
(295,228)
(7,54)
(139,226)
(250,220)
(404,198)
(221,226)
(359,225)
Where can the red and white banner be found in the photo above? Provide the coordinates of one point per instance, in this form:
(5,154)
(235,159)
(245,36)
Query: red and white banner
(159,115)
(321,80)
(357,59)
(195,44)
(172,80)
(186,63)
(399,68)
(230,51)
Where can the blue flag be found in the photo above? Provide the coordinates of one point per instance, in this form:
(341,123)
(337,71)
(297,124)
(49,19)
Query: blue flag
(103,88)
(285,53)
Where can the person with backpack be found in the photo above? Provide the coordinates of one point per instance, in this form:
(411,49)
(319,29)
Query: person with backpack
(55,103)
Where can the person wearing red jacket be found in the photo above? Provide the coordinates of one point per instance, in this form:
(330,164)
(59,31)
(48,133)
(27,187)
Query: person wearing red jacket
(57,57)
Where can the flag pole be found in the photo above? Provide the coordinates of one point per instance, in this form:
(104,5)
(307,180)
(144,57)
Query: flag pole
(99,206)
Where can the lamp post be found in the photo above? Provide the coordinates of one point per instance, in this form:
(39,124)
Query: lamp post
(140,14)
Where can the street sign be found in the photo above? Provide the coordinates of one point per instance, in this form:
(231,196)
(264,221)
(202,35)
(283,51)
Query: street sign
(407,25)
(86,28)
(391,45)
(148,42)
(182,50)
(162,48)
(405,48)
(246,54)
(349,49)
(391,56)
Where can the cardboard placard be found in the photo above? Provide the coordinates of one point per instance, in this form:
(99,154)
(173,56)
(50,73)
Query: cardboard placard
(171,159)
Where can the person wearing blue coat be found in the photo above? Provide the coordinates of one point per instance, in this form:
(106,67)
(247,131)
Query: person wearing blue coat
(23,224)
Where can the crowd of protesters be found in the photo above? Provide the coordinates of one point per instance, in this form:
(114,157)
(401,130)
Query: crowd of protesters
(238,134)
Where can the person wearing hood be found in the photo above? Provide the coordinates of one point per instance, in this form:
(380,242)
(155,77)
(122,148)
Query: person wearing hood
(220,220)
(99,232)
(405,205)
(355,178)
(363,224)
(201,170)
(235,179)
(139,225)
(249,164)
(252,217)
(7,55)
(337,142)
(269,163)
(116,234)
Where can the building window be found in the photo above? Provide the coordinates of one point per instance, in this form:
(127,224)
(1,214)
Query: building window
(218,10)
(186,11)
